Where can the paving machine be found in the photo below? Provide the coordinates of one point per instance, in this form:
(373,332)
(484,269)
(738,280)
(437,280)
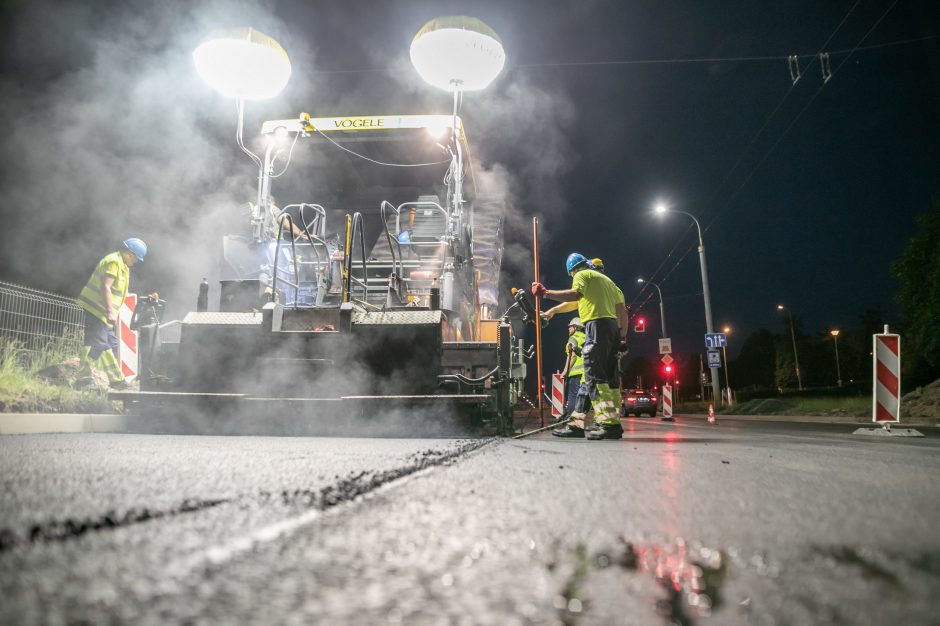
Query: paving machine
(365,278)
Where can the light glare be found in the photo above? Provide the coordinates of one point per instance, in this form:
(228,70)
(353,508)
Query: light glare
(457,52)
(243,64)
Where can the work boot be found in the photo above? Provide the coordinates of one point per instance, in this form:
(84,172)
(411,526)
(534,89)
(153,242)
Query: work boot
(604,431)
(569,431)
(120,385)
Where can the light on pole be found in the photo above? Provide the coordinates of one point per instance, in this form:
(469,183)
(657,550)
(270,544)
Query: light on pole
(662,209)
(835,342)
(796,357)
(724,352)
(245,64)
(662,310)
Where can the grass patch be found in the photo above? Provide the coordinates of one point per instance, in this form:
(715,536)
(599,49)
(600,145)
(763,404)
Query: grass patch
(22,391)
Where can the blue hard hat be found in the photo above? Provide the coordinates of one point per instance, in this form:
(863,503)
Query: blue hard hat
(137,246)
(575,259)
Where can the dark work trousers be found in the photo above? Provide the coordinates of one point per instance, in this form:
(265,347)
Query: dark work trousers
(571,393)
(601,338)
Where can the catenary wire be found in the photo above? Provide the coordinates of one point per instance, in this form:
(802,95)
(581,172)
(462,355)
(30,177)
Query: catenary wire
(754,139)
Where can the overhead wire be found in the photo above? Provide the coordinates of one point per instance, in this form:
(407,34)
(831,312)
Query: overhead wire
(759,132)
(797,118)
(737,59)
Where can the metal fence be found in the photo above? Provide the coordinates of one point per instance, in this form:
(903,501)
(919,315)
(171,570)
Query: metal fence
(35,322)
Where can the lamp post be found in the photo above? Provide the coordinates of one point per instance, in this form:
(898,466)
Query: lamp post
(662,310)
(835,341)
(796,357)
(662,209)
(245,64)
(724,352)
(457,54)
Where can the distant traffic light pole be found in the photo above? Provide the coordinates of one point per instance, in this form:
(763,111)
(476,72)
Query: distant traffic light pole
(724,349)
(662,209)
(662,310)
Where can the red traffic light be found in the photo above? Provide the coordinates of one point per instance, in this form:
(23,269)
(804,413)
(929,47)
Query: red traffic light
(667,369)
(639,326)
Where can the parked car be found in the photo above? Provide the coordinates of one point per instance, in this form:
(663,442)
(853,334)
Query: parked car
(638,402)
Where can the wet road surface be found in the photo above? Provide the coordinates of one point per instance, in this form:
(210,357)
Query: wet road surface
(744,522)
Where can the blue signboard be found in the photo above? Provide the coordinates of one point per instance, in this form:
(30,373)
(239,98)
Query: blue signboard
(716,340)
(714,358)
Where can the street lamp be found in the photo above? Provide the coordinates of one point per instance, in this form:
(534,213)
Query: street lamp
(724,352)
(835,341)
(661,209)
(796,358)
(662,310)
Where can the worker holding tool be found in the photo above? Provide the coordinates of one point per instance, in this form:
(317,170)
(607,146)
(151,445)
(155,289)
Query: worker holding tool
(101,297)
(573,372)
(601,307)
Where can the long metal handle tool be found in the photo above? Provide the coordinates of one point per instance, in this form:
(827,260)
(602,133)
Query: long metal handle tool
(538,319)
(543,428)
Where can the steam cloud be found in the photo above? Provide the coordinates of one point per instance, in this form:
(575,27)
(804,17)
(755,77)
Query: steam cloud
(111,134)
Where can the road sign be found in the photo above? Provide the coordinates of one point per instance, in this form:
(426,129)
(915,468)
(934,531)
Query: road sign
(558,395)
(886,397)
(665,345)
(667,359)
(714,358)
(716,340)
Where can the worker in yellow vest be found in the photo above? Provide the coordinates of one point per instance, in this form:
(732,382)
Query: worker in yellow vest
(573,372)
(101,297)
(600,306)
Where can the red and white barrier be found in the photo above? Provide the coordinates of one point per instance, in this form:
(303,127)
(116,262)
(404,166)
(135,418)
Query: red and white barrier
(127,338)
(667,402)
(558,395)
(886,378)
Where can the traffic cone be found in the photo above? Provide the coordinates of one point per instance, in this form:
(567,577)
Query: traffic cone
(711,414)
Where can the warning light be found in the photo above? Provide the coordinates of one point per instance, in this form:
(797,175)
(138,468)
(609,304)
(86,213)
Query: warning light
(667,369)
(639,325)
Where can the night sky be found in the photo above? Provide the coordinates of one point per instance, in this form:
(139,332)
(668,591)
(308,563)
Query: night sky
(806,192)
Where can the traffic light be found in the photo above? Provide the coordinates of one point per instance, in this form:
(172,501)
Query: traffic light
(639,325)
(667,370)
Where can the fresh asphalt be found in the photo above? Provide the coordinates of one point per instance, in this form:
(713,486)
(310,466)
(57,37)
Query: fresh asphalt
(757,522)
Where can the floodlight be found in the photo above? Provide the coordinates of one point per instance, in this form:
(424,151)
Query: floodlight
(243,64)
(457,52)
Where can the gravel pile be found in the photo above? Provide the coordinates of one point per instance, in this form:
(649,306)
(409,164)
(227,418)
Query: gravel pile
(922,402)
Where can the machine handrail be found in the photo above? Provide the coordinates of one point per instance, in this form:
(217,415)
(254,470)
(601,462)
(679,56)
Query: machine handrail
(426,203)
(352,228)
(316,207)
(389,236)
(277,253)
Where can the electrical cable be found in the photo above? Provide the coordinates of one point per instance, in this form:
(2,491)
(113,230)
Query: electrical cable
(290,154)
(330,139)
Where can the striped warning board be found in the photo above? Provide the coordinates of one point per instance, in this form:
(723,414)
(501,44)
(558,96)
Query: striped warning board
(667,402)
(886,378)
(558,395)
(127,339)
